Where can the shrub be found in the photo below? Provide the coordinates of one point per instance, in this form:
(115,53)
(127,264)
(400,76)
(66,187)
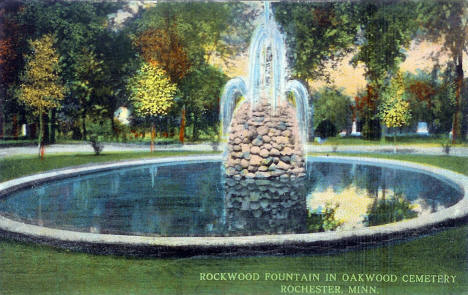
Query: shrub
(97,146)
(326,129)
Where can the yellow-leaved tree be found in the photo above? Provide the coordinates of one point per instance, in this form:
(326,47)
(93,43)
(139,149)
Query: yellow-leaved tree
(394,110)
(152,94)
(41,88)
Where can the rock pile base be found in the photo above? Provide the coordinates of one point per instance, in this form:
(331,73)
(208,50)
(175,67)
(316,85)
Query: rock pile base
(264,143)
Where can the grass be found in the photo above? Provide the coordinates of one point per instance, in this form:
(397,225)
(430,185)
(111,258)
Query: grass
(17,142)
(31,269)
(420,141)
(16,166)
(41,270)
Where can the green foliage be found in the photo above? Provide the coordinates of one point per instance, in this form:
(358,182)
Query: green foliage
(331,104)
(88,79)
(76,25)
(447,22)
(152,93)
(325,221)
(83,44)
(394,110)
(317,34)
(390,210)
(205,29)
(201,91)
(385,29)
(432,98)
(326,129)
(120,62)
(446,145)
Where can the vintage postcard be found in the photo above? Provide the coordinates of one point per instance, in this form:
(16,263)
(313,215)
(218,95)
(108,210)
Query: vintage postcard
(233,147)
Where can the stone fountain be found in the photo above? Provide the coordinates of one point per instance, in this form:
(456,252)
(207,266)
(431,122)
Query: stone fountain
(265,120)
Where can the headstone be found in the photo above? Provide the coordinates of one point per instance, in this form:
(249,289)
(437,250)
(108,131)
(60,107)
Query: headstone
(354,131)
(422,129)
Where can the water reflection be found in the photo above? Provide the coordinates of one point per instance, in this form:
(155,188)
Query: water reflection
(195,199)
(265,207)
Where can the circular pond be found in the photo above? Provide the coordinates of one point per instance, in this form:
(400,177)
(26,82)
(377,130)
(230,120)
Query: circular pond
(192,202)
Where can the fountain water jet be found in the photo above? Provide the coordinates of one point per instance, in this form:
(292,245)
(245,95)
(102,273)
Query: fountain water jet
(265,128)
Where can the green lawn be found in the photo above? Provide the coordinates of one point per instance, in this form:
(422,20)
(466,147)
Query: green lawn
(12,167)
(421,141)
(30,269)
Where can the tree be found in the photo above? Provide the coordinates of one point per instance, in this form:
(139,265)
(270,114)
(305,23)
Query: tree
(332,105)
(204,29)
(394,110)
(422,91)
(41,87)
(152,94)
(75,25)
(87,83)
(447,22)
(444,100)
(201,91)
(317,34)
(183,38)
(162,48)
(12,47)
(120,63)
(385,28)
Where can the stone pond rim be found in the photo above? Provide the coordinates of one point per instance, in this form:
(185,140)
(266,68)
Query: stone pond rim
(284,244)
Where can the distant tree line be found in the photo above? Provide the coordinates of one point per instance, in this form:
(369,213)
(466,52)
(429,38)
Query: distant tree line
(377,33)
(65,70)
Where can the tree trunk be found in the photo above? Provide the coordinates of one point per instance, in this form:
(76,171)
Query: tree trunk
(45,135)
(182,126)
(54,126)
(41,135)
(459,87)
(15,126)
(51,128)
(2,119)
(194,130)
(153,135)
(114,133)
(33,130)
(383,133)
(83,118)
(168,127)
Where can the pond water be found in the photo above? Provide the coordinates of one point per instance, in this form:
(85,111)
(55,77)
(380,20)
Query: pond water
(197,199)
